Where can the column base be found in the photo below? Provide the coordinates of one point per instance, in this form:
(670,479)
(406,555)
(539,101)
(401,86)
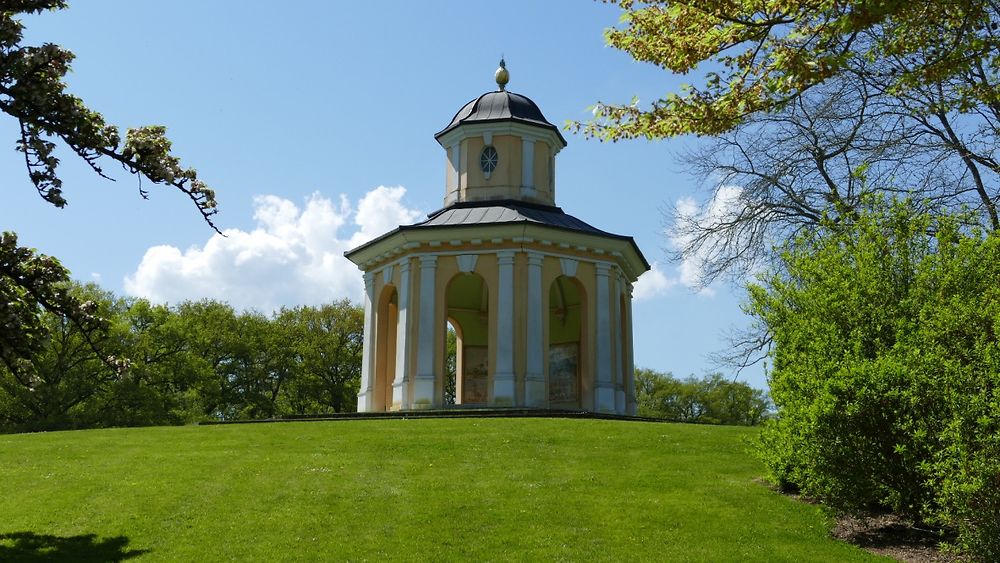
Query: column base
(604,399)
(534,391)
(503,391)
(423,392)
(400,399)
(364,401)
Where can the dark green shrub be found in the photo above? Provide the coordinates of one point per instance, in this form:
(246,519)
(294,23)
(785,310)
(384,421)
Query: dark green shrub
(887,371)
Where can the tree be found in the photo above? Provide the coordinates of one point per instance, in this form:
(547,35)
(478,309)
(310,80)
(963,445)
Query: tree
(450,366)
(813,106)
(47,386)
(33,91)
(329,341)
(886,366)
(817,159)
(711,400)
(763,54)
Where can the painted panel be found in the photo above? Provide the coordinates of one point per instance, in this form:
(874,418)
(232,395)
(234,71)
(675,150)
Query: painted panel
(564,361)
(475,374)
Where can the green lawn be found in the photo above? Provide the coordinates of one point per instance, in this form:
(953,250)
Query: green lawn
(401,490)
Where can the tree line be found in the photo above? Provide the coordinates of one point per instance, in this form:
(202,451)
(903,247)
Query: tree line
(712,399)
(195,361)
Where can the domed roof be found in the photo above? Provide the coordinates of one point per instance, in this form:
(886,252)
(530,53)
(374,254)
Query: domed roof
(501,106)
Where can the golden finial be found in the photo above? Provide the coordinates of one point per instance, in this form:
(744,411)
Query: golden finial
(502,75)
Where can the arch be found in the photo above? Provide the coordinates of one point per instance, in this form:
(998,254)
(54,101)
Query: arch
(467,310)
(386,321)
(567,315)
(452,362)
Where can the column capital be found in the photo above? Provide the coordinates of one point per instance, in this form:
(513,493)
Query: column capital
(369,280)
(467,262)
(404,265)
(603,268)
(505,257)
(569,266)
(428,261)
(535,258)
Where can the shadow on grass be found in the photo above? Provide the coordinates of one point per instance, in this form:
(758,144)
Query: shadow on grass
(29,547)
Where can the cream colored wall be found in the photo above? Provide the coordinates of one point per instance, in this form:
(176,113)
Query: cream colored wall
(487,266)
(385,338)
(552,269)
(505,181)
(447,268)
(520,324)
(385,346)
(448,171)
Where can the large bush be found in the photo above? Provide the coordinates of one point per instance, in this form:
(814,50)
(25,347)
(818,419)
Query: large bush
(887,370)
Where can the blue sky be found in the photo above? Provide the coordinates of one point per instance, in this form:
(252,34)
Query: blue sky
(315,126)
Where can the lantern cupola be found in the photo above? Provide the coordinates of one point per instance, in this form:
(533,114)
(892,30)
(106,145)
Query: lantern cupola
(500,147)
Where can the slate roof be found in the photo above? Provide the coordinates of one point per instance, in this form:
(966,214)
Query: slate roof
(500,106)
(471,214)
(506,211)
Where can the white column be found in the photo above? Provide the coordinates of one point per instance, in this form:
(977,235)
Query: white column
(423,385)
(527,167)
(618,344)
(604,393)
(366,394)
(452,183)
(630,400)
(503,374)
(534,384)
(401,383)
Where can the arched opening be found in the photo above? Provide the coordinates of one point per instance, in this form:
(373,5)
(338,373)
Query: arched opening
(467,302)
(451,364)
(387,319)
(566,314)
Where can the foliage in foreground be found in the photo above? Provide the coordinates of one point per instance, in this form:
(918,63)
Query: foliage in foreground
(761,54)
(406,490)
(33,93)
(887,371)
(191,362)
(710,400)
(812,108)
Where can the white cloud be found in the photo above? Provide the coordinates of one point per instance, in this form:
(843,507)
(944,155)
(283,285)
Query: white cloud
(689,214)
(294,256)
(652,284)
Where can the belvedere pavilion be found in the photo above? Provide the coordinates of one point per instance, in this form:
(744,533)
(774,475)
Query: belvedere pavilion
(540,301)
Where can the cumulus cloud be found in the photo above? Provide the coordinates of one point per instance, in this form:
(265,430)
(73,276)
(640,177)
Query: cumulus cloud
(294,255)
(691,216)
(652,284)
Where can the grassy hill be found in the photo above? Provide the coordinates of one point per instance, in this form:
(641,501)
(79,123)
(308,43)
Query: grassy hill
(401,490)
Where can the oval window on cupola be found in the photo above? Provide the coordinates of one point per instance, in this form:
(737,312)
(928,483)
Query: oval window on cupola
(488,160)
